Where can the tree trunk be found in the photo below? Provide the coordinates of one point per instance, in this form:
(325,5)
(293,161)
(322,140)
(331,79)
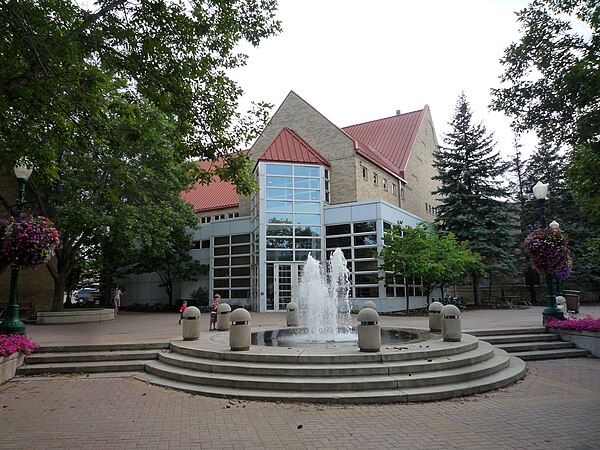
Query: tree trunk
(476,297)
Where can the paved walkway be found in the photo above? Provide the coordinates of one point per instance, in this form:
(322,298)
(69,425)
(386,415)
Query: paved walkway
(556,406)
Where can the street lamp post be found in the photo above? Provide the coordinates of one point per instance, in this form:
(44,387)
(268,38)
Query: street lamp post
(540,192)
(12,324)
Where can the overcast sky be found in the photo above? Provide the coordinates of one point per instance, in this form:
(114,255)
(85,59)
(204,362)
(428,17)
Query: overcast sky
(357,61)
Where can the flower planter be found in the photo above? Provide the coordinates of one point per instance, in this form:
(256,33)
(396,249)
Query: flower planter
(588,340)
(9,366)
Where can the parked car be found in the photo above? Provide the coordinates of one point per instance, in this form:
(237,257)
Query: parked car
(89,296)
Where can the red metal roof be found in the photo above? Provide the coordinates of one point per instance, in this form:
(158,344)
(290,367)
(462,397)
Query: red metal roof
(388,142)
(289,147)
(215,195)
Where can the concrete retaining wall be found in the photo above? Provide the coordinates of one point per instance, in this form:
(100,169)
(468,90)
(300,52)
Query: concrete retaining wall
(9,366)
(75,316)
(587,340)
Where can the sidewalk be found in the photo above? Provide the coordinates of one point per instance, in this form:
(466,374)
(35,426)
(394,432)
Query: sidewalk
(162,327)
(556,406)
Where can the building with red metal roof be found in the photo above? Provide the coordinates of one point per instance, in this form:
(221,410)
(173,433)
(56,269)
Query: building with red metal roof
(320,187)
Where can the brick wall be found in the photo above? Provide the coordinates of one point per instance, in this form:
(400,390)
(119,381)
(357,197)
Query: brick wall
(419,172)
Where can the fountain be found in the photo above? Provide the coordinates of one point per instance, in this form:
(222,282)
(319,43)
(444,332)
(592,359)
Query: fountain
(322,298)
(320,361)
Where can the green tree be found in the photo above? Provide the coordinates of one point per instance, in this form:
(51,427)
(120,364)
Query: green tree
(472,198)
(172,263)
(123,186)
(61,59)
(419,253)
(552,75)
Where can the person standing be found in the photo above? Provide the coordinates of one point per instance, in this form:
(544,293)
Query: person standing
(213,312)
(117,299)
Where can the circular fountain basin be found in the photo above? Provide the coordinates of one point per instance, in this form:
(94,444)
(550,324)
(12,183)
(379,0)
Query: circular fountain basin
(297,337)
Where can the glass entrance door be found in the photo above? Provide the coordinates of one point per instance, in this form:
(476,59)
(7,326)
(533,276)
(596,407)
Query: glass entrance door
(282,279)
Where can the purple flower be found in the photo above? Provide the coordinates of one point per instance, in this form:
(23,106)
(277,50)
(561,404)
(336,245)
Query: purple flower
(28,242)
(13,343)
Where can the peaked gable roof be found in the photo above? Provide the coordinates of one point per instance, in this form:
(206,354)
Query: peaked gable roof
(388,142)
(217,194)
(289,147)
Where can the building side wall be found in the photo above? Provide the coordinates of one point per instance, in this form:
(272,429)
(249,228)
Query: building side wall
(367,189)
(420,171)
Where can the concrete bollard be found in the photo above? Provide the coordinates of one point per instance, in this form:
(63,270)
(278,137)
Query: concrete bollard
(451,328)
(435,316)
(223,312)
(292,316)
(190,330)
(370,304)
(239,335)
(369,332)
(561,303)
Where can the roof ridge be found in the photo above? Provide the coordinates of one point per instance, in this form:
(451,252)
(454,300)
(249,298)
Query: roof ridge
(387,118)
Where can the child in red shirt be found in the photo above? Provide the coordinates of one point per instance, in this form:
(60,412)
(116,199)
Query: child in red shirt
(182,310)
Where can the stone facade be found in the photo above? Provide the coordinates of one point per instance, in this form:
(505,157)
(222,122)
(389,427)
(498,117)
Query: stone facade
(419,173)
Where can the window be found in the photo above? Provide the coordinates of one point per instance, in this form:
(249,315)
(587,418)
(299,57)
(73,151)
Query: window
(402,193)
(219,217)
(375,179)
(327,187)
(393,189)
(365,173)
(232,215)
(206,243)
(385,185)
(205,220)
(195,245)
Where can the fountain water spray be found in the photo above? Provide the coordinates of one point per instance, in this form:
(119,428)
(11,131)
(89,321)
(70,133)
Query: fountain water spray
(323,301)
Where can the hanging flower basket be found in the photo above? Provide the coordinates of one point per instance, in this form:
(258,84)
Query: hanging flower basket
(564,271)
(547,249)
(28,242)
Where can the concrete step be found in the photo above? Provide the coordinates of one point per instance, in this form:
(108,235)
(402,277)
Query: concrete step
(516,338)
(275,369)
(295,382)
(536,355)
(102,347)
(507,331)
(514,370)
(85,367)
(531,346)
(72,357)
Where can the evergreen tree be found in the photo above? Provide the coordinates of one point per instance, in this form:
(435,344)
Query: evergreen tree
(473,201)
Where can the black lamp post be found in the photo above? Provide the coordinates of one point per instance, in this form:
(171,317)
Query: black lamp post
(12,324)
(540,192)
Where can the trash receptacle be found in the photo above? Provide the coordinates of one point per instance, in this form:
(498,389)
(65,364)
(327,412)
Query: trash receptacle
(369,332)
(572,298)
(292,318)
(435,316)
(370,304)
(223,312)
(561,304)
(190,329)
(239,334)
(451,328)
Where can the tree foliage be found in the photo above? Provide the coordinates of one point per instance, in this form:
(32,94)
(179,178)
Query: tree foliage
(472,198)
(61,61)
(419,253)
(552,75)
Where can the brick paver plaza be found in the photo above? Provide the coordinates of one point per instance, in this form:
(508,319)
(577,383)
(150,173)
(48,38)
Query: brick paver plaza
(556,406)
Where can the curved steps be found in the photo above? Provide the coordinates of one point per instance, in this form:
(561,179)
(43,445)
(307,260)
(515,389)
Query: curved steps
(431,370)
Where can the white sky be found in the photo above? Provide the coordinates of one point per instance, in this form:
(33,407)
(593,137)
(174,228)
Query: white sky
(361,60)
